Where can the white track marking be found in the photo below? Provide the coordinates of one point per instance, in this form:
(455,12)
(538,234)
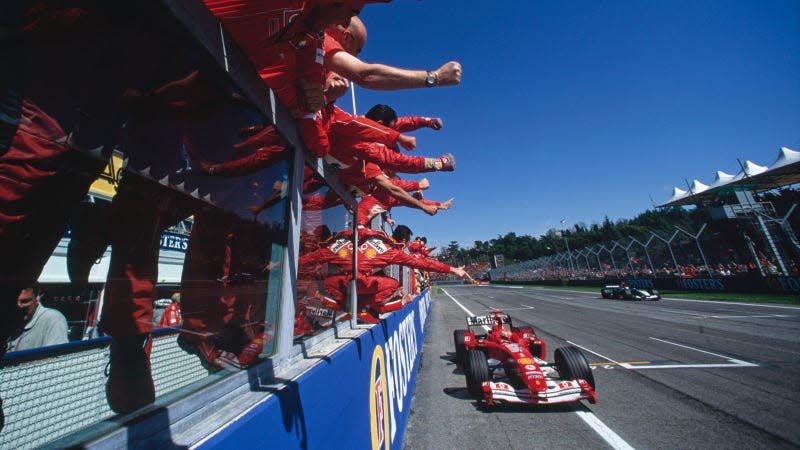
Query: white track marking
(713,316)
(526,307)
(608,435)
(732,362)
(690,348)
(767,316)
(592,294)
(464,308)
(456,302)
(732,365)
(625,365)
(732,303)
(735,361)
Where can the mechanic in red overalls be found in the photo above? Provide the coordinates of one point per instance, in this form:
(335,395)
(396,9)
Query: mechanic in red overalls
(419,247)
(354,139)
(380,202)
(284,39)
(172,313)
(377,293)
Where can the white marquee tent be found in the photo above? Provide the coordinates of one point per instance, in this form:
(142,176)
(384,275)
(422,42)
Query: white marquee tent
(784,171)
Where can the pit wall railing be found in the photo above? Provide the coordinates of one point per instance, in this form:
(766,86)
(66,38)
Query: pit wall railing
(55,396)
(759,255)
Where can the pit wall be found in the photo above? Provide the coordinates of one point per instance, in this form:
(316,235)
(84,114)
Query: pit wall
(357,397)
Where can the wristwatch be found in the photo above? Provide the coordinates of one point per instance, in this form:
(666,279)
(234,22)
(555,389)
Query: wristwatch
(431,80)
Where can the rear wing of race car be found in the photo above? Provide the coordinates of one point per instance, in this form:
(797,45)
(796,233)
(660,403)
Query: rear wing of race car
(487,320)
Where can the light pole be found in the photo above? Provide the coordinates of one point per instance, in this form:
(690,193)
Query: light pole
(566,243)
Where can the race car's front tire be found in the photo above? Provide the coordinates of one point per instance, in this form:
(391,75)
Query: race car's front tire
(476,370)
(458,340)
(572,365)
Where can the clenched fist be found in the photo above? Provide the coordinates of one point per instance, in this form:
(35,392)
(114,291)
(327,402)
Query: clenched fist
(449,74)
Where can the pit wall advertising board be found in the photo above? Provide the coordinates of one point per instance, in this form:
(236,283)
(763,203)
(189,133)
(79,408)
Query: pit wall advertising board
(358,397)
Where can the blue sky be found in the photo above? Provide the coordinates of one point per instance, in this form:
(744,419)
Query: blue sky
(586,109)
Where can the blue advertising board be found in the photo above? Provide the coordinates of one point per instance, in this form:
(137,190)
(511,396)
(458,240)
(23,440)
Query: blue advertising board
(358,397)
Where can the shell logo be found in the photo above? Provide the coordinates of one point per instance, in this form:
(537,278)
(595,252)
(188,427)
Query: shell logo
(378,401)
(370,253)
(343,253)
(525,361)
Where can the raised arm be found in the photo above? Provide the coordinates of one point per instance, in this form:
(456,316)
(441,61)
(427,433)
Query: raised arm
(397,192)
(345,125)
(410,123)
(389,78)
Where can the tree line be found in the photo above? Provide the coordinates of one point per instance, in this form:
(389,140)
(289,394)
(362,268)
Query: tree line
(516,248)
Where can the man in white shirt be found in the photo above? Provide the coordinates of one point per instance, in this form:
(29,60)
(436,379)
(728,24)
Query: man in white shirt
(43,326)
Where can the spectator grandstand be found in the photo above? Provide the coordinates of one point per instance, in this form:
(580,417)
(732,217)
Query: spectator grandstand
(748,227)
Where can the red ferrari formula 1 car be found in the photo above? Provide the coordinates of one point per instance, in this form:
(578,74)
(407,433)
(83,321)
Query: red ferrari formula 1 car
(507,365)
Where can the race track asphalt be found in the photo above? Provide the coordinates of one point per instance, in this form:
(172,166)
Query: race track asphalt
(669,374)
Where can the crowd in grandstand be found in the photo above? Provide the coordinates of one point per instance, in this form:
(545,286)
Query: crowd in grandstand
(529,272)
(476,270)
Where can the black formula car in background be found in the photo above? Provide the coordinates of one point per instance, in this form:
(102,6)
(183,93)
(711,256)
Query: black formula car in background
(628,293)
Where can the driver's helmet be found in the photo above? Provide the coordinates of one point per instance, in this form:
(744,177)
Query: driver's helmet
(505,328)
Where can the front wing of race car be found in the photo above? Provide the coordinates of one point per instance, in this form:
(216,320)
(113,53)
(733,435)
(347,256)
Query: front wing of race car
(557,391)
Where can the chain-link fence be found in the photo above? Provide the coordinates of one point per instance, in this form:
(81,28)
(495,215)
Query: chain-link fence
(47,398)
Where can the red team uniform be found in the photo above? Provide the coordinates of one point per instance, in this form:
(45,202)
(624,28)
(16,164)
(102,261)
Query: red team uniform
(375,251)
(276,39)
(354,139)
(379,201)
(172,316)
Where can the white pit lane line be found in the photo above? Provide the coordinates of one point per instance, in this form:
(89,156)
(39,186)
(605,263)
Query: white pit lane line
(591,294)
(768,316)
(732,362)
(711,316)
(608,435)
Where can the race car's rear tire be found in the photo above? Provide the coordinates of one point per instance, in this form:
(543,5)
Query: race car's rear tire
(572,365)
(458,340)
(476,370)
